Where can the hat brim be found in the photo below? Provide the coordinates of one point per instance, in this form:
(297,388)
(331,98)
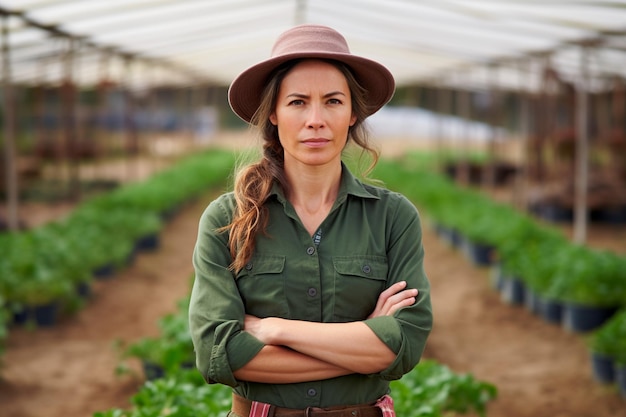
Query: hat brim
(244,94)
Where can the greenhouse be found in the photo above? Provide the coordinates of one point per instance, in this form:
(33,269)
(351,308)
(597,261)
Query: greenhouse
(507,131)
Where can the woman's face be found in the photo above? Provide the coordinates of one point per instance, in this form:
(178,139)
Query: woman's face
(313,114)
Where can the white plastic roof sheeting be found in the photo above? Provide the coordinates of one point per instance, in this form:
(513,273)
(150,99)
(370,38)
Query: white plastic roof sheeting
(447,41)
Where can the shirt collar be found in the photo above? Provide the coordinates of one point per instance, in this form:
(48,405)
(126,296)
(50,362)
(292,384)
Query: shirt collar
(350,185)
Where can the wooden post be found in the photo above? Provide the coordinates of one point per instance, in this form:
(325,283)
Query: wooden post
(442,99)
(465,113)
(525,129)
(582,152)
(10,152)
(68,105)
(495,112)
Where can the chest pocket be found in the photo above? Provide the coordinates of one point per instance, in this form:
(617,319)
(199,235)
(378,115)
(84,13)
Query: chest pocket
(358,282)
(262,286)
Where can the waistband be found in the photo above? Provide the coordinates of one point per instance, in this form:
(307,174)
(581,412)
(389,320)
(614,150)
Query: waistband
(242,407)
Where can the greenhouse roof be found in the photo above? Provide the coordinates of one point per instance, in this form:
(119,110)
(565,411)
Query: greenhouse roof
(469,43)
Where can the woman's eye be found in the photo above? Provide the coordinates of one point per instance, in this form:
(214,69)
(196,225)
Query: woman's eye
(296,102)
(334,101)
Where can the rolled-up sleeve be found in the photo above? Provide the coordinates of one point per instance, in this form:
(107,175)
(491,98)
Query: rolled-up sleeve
(216,310)
(407,330)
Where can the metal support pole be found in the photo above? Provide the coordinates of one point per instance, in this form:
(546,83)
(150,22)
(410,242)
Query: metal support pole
(10,152)
(582,152)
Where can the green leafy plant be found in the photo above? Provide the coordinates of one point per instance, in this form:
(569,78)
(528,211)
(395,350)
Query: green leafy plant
(430,390)
(172,349)
(588,277)
(433,390)
(610,338)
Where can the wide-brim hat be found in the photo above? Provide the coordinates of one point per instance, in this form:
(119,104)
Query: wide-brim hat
(310,41)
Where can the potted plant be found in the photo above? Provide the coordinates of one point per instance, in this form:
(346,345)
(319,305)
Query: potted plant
(591,284)
(607,347)
(170,351)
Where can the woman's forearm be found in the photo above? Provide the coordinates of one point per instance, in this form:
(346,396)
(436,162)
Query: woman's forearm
(353,346)
(281,365)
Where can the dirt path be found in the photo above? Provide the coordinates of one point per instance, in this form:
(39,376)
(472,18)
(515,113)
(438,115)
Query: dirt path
(68,370)
(540,370)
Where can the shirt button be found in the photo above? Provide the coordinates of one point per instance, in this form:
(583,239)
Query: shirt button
(310,250)
(311,392)
(367,269)
(249,266)
(312,292)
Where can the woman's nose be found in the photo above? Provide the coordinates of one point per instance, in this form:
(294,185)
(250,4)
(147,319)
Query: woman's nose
(315,119)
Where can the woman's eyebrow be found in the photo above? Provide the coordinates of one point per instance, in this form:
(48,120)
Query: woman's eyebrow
(330,94)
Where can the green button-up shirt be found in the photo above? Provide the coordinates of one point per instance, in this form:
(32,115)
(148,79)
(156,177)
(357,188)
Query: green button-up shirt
(370,239)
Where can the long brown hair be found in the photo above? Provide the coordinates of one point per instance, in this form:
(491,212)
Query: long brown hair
(254,182)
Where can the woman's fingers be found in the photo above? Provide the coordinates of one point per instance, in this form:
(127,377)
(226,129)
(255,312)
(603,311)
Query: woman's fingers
(394,298)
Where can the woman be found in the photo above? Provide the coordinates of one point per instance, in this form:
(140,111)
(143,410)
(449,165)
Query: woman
(310,293)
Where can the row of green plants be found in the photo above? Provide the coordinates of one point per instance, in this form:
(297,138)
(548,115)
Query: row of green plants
(54,265)
(537,253)
(548,267)
(174,387)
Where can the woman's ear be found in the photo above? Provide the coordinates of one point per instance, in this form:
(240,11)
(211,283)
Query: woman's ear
(353,120)
(273,119)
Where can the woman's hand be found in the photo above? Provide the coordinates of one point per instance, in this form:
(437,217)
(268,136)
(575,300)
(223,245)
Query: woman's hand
(262,329)
(392,299)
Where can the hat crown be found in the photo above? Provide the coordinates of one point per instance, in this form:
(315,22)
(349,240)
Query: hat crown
(310,38)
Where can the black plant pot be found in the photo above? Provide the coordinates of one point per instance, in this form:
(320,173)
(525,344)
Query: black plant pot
(83,289)
(620,378)
(609,215)
(147,243)
(46,315)
(552,311)
(583,318)
(603,368)
(151,370)
(496,278)
(105,271)
(513,290)
(449,235)
(553,212)
(21,315)
(479,254)
(533,301)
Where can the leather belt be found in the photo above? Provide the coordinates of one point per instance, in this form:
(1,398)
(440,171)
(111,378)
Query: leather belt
(241,406)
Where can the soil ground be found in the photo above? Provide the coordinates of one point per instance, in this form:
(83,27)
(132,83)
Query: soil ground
(540,369)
